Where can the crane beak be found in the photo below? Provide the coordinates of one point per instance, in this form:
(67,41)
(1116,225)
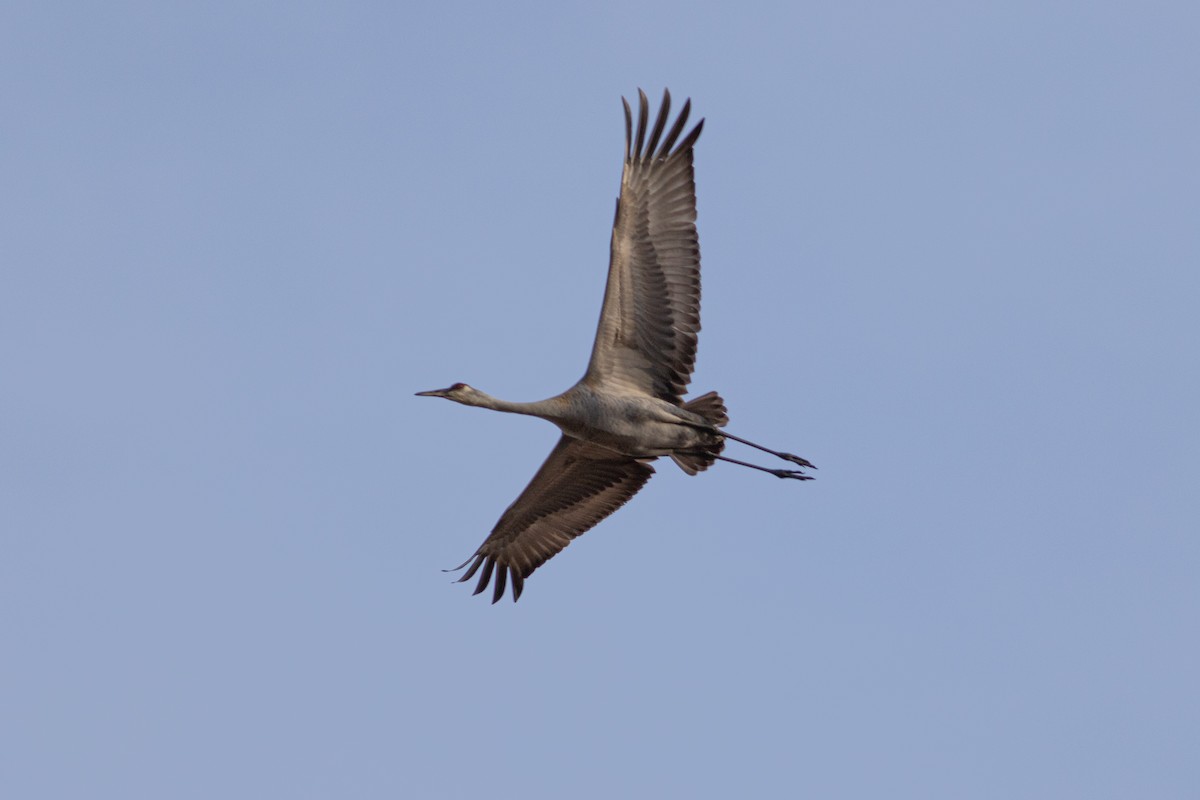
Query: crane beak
(433,393)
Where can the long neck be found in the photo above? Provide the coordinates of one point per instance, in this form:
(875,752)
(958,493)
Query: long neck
(547,409)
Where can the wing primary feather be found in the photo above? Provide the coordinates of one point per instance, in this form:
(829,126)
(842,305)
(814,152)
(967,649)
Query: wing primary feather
(474,567)
(691,138)
(628,129)
(659,123)
(501,581)
(485,576)
(643,113)
(518,584)
(460,566)
(677,128)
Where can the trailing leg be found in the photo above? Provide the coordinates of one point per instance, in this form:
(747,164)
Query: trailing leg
(795,474)
(785,456)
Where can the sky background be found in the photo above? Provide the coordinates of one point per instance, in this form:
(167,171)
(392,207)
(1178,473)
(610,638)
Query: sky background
(951,255)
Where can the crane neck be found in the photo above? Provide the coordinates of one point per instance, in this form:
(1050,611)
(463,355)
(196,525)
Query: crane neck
(540,408)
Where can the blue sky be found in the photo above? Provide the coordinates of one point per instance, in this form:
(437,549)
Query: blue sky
(950,255)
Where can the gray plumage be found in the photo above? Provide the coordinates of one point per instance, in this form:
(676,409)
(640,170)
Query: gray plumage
(627,409)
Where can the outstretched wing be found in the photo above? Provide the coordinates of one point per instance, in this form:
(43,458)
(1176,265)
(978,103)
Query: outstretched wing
(579,485)
(646,341)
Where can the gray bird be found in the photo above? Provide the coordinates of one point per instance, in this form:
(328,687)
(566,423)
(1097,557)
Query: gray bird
(628,409)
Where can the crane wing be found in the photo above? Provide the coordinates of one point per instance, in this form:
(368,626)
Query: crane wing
(646,340)
(579,485)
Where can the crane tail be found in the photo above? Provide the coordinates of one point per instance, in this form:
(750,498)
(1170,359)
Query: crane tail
(692,463)
(711,407)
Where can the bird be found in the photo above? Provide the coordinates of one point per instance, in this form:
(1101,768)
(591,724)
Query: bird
(628,408)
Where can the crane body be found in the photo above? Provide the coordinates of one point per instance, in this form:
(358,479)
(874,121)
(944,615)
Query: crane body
(634,425)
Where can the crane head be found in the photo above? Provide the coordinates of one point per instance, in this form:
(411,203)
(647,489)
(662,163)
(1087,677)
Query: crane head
(459,392)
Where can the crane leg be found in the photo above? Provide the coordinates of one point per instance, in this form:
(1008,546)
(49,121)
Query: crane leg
(778,473)
(795,459)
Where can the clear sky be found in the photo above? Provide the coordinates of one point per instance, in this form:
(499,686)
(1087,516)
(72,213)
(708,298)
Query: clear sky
(951,255)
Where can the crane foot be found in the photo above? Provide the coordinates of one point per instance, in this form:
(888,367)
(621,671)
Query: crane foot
(790,473)
(795,459)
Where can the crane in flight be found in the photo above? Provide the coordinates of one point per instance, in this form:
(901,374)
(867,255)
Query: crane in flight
(628,408)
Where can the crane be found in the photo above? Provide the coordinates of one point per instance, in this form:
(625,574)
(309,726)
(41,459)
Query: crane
(628,408)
